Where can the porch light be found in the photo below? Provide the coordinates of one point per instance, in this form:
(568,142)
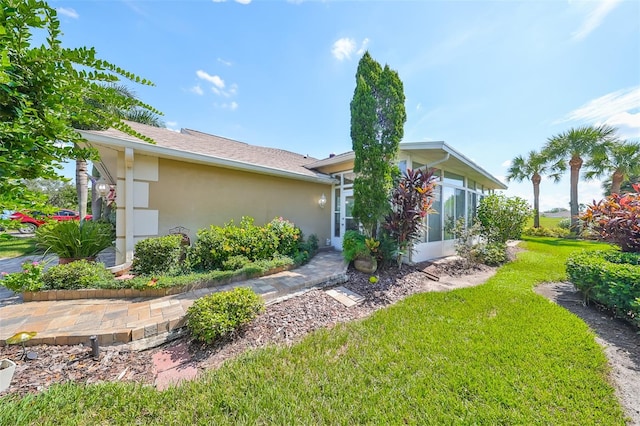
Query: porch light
(322,201)
(102,188)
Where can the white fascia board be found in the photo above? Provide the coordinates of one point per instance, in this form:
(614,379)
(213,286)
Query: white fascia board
(200,158)
(415,146)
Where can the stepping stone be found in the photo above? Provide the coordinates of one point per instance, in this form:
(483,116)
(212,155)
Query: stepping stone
(345,296)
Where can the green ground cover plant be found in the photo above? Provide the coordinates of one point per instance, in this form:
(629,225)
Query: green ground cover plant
(493,354)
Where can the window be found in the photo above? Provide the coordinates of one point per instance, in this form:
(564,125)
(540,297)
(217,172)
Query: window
(434,220)
(453,209)
(453,179)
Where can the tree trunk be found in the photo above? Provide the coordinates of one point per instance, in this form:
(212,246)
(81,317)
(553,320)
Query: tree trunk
(576,164)
(536,178)
(616,181)
(81,186)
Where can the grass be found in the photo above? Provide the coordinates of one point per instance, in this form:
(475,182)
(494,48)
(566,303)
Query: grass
(492,354)
(11,246)
(546,222)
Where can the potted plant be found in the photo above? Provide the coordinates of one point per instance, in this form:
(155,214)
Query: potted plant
(361,250)
(75,240)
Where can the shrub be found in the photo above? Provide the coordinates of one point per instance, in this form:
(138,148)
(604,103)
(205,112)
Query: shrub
(217,244)
(354,245)
(547,232)
(29,279)
(492,254)
(77,275)
(286,235)
(616,220)
(565,223)
(235,262)
(219,314)
(306,249)
(608,277)
(159,255)
(502,218)
(74,239)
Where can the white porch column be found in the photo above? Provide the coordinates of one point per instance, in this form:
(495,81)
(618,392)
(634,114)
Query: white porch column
(128,204)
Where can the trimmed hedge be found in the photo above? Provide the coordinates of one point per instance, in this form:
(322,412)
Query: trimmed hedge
(219,314)
(158,255)
(557,232)
(610,278)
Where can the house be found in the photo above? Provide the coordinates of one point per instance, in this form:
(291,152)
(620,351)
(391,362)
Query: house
(192,180)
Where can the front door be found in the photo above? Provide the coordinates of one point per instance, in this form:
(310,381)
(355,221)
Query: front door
(344,216)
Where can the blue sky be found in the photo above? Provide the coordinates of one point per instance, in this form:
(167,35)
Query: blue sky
(494,79)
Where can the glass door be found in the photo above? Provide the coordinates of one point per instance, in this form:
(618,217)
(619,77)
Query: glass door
(343,214)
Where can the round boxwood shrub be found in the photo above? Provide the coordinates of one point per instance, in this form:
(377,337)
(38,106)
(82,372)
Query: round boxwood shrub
(77,275)
(219,314)
(611,278)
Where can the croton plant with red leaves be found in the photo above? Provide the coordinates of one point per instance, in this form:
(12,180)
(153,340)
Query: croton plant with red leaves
(616,219)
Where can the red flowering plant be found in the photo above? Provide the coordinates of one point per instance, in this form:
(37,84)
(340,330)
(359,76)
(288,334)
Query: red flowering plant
(616,219)
(29,279)
(410,202)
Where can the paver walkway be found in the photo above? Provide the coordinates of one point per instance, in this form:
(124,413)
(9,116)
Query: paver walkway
(126,320)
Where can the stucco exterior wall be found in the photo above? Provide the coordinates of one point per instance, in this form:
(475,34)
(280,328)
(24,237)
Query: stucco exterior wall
(196,196)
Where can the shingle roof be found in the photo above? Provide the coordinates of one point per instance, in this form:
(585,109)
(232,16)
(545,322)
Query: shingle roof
(200,143)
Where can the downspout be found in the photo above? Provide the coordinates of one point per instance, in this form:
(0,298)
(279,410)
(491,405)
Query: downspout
(128,204)
(442,160)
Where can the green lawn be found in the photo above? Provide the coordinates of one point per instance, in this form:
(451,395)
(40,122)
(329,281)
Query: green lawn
(546,222)
(492,354)
(11,246)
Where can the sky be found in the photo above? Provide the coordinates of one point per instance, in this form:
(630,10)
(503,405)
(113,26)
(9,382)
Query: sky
(493,79)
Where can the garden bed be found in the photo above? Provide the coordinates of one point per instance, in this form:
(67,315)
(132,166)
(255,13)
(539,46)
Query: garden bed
(130,293)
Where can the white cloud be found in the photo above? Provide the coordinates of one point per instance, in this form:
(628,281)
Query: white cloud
(230,106)
(619,109)
(197,90)
(223,62)
(506,164)
(68,11)
(343,48)
(214,79)
(419,106)
(171,123)
(594,18)
(237,1)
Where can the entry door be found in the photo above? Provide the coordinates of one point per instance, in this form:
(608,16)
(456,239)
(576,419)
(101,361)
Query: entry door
(345,215)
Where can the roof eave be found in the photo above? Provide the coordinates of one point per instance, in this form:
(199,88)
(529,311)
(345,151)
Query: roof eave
(200,158)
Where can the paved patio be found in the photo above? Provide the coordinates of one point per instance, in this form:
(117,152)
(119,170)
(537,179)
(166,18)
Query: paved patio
(129,320)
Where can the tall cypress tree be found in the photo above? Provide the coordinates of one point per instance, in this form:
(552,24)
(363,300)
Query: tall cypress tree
(377,126)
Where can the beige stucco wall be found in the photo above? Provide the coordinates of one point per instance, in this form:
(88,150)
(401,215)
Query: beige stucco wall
(196,196)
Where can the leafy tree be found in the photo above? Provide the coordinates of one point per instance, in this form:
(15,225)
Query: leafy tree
(572,147)
(58,192)
(502,218)
(43,91)
(410,202)
(621,159)
(377,126)
(531,168)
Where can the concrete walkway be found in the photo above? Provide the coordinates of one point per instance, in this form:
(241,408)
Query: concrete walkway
(142,320)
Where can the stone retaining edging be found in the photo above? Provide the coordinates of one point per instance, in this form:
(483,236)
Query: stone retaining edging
(129,293)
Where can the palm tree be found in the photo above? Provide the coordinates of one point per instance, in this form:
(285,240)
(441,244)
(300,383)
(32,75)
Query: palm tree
(624,187)
(575,145)
(133,110)
(532,168)
(621,159)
